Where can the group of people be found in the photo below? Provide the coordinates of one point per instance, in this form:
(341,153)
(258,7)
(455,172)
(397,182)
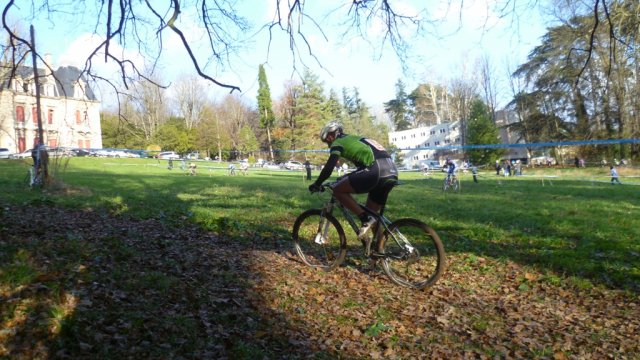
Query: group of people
(509,168)
(192,166)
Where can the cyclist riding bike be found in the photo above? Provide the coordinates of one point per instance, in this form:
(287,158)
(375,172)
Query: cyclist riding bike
(451,169)
(375,174)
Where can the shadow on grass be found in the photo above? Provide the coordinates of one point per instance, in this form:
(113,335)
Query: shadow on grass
(96,286)
(149,284)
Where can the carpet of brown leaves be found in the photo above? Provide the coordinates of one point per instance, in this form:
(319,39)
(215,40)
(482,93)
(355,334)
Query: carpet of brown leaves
(111,287)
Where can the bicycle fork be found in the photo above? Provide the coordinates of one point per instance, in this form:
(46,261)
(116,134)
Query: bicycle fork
(324,225)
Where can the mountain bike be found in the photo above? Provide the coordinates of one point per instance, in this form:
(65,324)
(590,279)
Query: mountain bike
(451,182)
(410,251)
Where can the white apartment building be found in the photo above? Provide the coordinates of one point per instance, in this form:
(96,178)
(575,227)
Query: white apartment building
(69,110)
(431,143)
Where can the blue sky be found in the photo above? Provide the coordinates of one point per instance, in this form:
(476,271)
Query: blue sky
(448,50)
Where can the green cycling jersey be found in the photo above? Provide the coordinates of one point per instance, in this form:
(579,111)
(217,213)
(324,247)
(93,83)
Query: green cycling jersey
(360,151)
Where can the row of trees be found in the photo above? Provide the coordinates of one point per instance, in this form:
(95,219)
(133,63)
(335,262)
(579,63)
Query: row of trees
(233,128)
(581,83)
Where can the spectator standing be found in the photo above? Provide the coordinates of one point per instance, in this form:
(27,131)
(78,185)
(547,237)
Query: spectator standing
(614,176)
(192,169)
(170,165)
(474,172)
(498,167)
(307,166)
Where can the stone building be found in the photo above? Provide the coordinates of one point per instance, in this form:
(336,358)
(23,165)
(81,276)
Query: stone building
(69,109)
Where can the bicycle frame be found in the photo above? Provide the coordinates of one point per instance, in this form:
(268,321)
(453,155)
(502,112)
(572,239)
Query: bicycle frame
(350,218)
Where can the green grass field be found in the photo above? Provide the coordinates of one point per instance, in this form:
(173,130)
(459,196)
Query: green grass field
(569,220)
(147,252)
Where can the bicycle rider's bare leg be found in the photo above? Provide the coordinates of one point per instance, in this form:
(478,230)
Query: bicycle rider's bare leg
(342,191)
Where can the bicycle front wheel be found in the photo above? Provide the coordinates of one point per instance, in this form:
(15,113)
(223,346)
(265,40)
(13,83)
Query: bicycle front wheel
(412,254)
(445,184)
(319,240)
(455,184)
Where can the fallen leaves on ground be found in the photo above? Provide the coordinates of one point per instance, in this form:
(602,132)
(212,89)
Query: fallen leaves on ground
(96,286)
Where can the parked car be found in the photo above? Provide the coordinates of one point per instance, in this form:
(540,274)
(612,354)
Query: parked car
(22,155)
(293,165)
(270,165)
(58,151)
(432,164)
(4,153)
(137,154)
(114,153)
(192,155)
(166,155)
(80,152)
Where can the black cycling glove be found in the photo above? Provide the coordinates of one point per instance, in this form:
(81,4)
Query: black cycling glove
(315,187)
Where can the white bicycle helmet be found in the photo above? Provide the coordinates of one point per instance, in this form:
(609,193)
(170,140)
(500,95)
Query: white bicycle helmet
(331,127)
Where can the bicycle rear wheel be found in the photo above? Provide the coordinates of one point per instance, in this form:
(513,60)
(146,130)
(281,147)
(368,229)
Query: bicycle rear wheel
(413,254)
(319,239)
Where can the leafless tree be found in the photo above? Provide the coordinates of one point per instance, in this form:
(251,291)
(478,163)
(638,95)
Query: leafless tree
(234,114)
(488,84)
(144,26)
(145,106)
(191,99)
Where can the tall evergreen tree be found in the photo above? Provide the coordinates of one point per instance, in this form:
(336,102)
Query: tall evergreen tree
(482,130)
(265,108)
(398,108)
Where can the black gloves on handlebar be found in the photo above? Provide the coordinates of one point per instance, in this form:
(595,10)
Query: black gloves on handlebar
(315,187)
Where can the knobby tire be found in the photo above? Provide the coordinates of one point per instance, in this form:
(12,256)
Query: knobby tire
(418,270)
(326,256)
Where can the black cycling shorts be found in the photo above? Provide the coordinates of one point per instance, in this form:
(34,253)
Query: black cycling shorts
(377,180)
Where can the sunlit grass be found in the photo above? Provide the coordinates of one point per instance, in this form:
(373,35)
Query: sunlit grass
(570,221)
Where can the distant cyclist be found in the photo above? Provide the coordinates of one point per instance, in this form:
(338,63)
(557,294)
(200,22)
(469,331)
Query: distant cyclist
(375,174)
(451,168)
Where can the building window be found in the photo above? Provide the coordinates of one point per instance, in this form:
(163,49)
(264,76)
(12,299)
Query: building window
(437,143)
(50,116)
(428,144)
(52,143)
(458,139)
(442,131)
(415,157)
(20,114)
(454,128)
(87,144)
(422,134)
(78,118)
(432,132)
(413,136)
(34,114)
